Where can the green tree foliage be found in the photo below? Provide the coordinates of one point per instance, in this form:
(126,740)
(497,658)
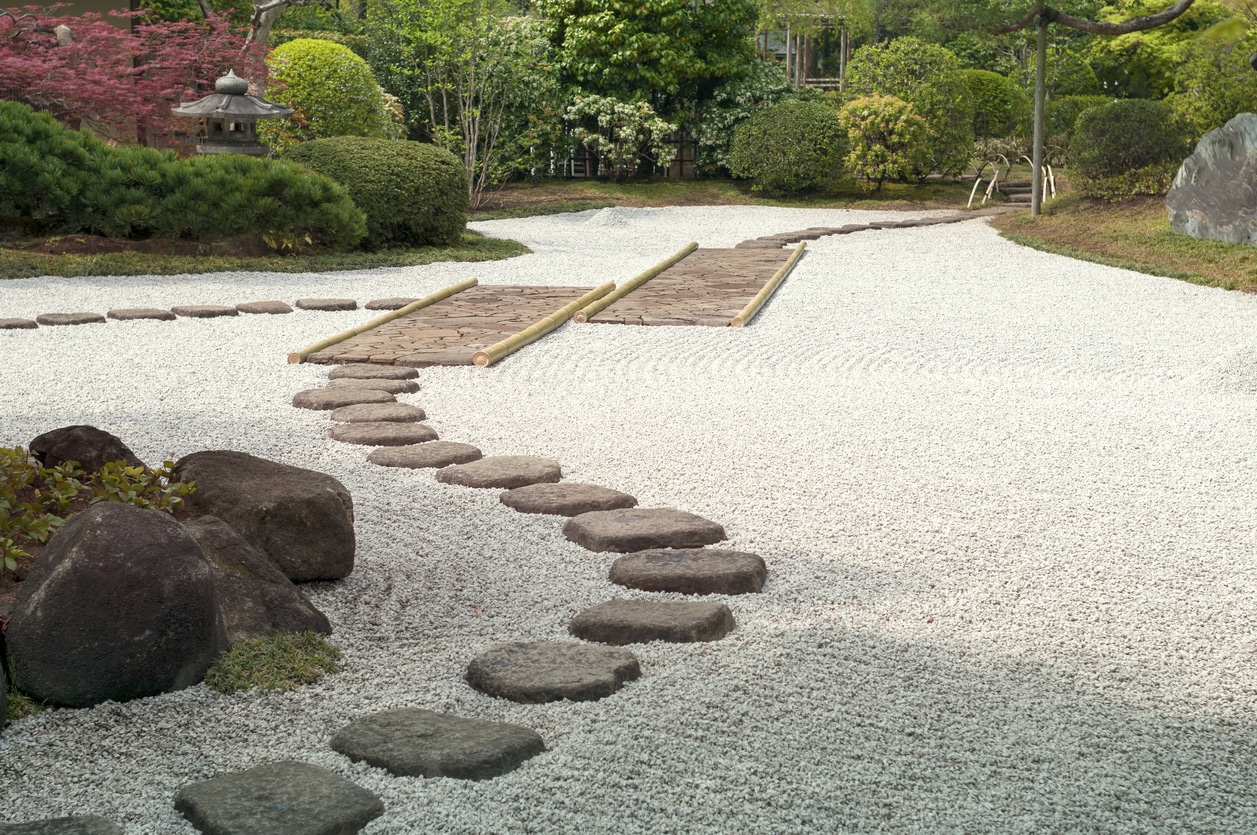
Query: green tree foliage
(620,133)
(633,49)
(928,77)
(1142,64)
(1132,142)
(413,193)
(1215,83)
(888,140)
(332,90)
(789,148)
(730,104)
(1000,107)
(1060,116)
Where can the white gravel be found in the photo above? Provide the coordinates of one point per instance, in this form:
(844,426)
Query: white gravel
(1005,499)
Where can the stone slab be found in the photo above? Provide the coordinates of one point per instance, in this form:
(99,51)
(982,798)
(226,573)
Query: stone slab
(621,622)
(565,498)
(327,304)
(391,386)
(204,311)
(425,456)
(69,319)
(17,324)
(508,471)
(127,314)
(379,412)
(394,303)
(639,529)
(323,399)
(365,371)
(272,307)
(383,433)
(411,742)
(284,798)
(76,825)
(691,571)
(549,671)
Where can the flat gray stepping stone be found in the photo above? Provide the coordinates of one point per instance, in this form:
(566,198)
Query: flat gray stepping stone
(565,498)
(547,671)
(391,386)
(367,371)
(327,304)
(127,314)
(691,571)
(395,303)
(638,529)
(383,433)
(411,742)
(622,622)
(272,307)
(69,319)
(76,825)
(508,471)
(425,456)
(284,798)
(204,311)
(20,324)
(335,398)
(377,412)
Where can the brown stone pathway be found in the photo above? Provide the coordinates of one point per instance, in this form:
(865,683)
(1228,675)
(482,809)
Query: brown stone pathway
(452,330)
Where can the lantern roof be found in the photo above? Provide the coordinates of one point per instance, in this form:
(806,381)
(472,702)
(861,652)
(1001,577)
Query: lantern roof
(231,99)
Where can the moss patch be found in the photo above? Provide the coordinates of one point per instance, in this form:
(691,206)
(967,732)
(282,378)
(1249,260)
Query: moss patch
(276,662)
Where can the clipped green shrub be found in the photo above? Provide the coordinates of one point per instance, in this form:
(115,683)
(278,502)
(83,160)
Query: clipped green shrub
(1000,107)
(791,147)
(1124,135)
(888,140)
(277,662)
(332,90)
(412,193)
(1059,117)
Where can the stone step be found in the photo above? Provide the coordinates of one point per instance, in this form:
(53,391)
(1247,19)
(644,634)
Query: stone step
(621,622)
(18,324)
(327,399)
(430,455)
(272,307)
(504,471)
(638,529)
(549,671)
(383,433)
(76,825)
(327,304)
(367,371)
(391,386)
(204,311)
(69,319)
(691,571)
(565,498)
(373,412)
(127,314)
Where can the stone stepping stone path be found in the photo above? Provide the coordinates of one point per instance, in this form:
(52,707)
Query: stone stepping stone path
(622,622)
(372,372)
(379,412)
(506,471)
(327,304)
(783,239)
(537,672)
(273,307)
(565,498)
(76,825)
(69,319)
(640,529)
(284,798)
(691,571)
(411,742)
(18,324)
(450,331)
(391,386)
(395,303)
(204,311)
(127,314)
(383,433)
(423,456)
(323,399)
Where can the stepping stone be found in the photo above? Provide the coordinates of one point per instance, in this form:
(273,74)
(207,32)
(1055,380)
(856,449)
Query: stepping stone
(394,303)
(69,318)
(411,742)
(379,412)
(367,371)
(622,622)
(566,498)
(284,798)
(425,456)
(508,471)
(17,324)
(77,825)
(383,433)
(547,671)
(335,398)
(638,529)
(126,314)
(204,311)
(691,571)
(391,386)
(327,304)
(271,307)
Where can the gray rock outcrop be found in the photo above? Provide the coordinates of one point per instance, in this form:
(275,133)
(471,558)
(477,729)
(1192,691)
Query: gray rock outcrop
(90,447)
(1214,194)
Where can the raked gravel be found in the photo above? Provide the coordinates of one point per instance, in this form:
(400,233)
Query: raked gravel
(1005,498)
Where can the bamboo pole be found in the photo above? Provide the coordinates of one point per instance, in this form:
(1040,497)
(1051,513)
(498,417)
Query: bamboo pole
(300,356)
(534,332)
(632,284)
(765,293)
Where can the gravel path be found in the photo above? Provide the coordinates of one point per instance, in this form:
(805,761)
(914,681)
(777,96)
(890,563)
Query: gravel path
(1005,499)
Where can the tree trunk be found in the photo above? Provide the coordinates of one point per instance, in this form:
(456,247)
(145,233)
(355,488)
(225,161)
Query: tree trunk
(1040,96)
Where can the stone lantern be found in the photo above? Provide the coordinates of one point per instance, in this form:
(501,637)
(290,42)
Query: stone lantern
(231,116)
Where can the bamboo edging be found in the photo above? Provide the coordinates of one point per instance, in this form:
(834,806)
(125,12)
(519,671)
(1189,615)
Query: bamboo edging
(534,332)
(766,292)
(300,356)
(632,284)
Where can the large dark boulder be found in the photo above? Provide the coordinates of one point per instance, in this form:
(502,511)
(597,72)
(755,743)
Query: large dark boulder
(256,599)
(302,521)
(120,605)
(1214,194)
(90,447)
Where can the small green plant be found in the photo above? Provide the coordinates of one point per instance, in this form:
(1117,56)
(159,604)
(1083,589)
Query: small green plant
(888,139)
(19,706)
(140,486)
(277,662)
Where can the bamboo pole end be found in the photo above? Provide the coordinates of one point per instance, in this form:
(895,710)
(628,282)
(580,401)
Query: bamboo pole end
(737,322)
(295,358)
(481,358)
(580,318)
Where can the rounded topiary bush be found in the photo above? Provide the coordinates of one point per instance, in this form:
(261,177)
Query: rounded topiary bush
(412,193)
(1127,147)
(790,147)
(888,139)
(1000,107)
